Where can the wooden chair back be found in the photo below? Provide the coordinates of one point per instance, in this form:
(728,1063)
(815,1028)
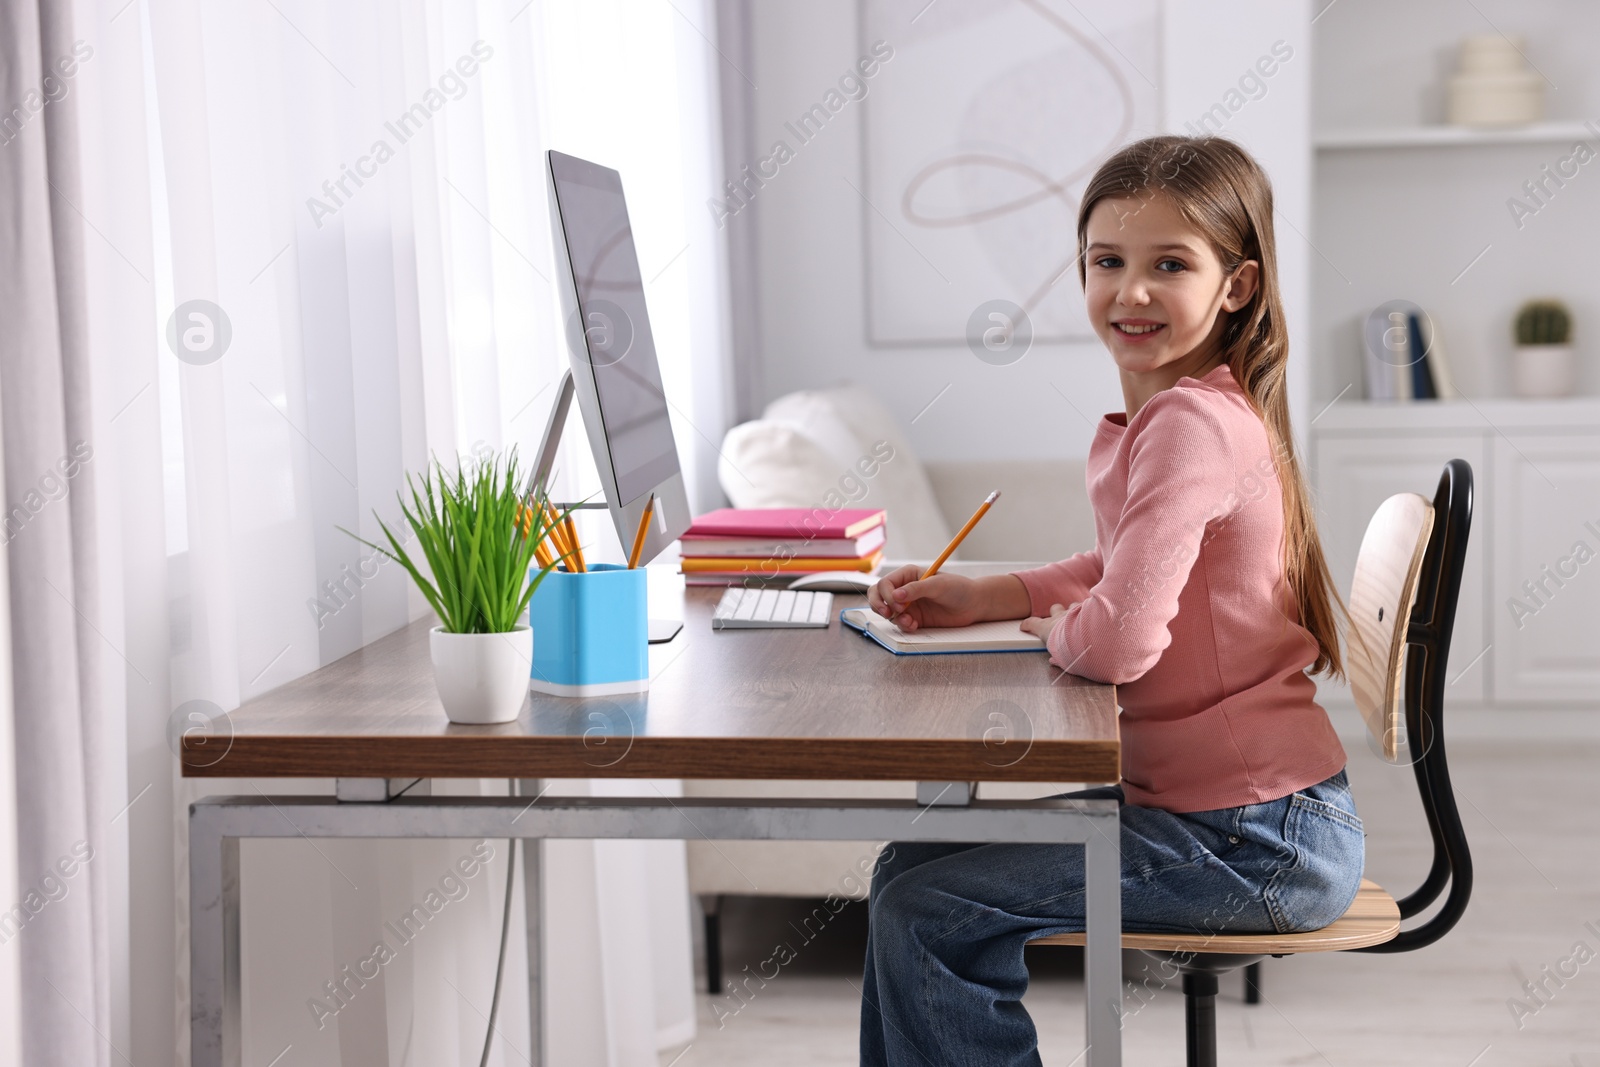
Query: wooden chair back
(1382,595)
(1411,565)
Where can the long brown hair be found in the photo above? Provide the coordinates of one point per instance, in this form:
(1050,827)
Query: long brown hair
(1223,193)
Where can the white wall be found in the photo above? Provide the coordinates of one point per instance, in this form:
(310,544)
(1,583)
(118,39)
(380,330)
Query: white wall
(810,224)
(1209,47)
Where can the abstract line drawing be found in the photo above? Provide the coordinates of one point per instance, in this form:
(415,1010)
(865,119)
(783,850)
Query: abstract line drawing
(977,142)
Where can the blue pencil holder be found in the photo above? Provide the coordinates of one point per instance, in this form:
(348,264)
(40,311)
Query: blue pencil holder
(591,632)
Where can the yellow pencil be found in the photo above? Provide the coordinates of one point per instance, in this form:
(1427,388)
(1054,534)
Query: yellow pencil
(565,538)
(955,542)
(571,532)
(644,528)
(525,527)
(553,531)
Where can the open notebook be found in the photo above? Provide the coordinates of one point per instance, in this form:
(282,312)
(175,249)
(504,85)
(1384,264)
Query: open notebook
(1001,636)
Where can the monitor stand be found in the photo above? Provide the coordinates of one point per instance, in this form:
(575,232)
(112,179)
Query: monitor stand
(661,630)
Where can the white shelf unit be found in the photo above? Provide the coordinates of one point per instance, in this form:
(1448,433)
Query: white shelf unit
(1429,416)
(1467,222)
(1558,132)
(1405,207)
(1530,601)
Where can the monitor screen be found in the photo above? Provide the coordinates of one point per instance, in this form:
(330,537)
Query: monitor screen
(612,328)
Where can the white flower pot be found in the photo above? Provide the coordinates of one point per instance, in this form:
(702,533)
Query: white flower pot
(481,678)
(1543,370)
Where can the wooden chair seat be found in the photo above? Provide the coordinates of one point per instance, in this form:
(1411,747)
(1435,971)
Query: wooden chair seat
(1372,918)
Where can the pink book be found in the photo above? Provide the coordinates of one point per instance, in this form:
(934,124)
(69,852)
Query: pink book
(784,547)
(786,522)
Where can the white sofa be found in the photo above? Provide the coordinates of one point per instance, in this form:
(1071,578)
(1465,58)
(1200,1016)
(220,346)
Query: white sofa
(824,448)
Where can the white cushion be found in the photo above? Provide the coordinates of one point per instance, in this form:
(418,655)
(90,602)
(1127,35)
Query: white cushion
(816,414)
(773,465)
(825,448)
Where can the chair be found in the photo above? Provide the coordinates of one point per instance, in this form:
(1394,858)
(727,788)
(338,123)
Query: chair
(1409,567)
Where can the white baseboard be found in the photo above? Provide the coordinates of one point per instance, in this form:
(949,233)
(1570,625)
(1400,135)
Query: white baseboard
(675,1034)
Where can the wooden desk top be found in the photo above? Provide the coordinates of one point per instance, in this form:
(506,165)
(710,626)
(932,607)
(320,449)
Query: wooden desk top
(776,704)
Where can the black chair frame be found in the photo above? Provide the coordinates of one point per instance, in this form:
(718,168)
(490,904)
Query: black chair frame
(1428,634)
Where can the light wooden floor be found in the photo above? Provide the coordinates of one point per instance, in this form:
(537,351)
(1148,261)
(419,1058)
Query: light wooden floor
(1530,810)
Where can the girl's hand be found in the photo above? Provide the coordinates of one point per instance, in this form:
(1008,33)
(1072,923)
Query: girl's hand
(911,602)
(1040,627)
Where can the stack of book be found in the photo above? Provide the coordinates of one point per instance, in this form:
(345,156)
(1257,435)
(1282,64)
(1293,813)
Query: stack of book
(774,546)
(1403,357)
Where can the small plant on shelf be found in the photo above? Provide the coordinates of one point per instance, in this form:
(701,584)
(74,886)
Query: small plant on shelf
(1543,364)
(1543,322)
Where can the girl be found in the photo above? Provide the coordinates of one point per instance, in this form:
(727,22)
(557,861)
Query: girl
(1205,601)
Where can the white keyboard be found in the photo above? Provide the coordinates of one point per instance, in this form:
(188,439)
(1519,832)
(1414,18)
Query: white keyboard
(751,609)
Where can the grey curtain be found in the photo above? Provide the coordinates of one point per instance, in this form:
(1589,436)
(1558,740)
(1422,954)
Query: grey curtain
(58,923)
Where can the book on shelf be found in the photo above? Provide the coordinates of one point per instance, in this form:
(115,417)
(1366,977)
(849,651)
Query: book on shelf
(1444,385)
(1377,373)
(1421,376)
(1402,357)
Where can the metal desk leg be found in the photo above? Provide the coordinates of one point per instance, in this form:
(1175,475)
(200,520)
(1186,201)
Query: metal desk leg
(533,906)
(1103,954)
(216,825)
(214,988)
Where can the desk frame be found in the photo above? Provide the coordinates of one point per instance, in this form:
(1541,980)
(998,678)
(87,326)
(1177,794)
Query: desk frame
(218,824)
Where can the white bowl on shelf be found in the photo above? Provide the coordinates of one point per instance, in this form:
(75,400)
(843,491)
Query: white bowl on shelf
(1493,86)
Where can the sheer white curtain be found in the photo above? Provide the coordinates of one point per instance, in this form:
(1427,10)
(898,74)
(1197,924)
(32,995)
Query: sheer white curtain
(10,882)
(357,192)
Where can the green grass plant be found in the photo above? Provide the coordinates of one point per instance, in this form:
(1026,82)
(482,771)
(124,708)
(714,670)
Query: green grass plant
(476,533)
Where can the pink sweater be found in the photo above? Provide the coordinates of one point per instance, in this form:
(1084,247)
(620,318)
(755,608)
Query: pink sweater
(1183,605)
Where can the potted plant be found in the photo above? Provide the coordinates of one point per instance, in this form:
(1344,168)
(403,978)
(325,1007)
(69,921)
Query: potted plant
(1543,362)
(477,535)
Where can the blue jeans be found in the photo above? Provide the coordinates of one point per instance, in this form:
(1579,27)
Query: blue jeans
(947,922)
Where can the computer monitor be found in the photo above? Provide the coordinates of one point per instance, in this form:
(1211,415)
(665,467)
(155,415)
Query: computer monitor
(614,371)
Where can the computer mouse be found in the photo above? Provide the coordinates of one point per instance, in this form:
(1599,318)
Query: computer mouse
(835,582)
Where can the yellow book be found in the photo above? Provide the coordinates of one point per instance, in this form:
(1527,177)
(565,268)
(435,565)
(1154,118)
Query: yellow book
(794,565)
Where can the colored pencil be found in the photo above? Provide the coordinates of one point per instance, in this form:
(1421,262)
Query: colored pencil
(644,528)
(571,532)
(553,532)
(566,544)
(956,541)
